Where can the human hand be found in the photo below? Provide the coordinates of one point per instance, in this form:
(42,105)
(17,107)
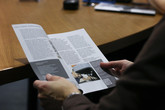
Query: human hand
(117,67)
(55,87)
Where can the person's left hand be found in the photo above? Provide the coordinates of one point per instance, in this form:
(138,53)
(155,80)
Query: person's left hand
(118,67)
(56,87)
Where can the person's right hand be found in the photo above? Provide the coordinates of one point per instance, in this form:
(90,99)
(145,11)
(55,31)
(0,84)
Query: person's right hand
(56,87)
(117,67)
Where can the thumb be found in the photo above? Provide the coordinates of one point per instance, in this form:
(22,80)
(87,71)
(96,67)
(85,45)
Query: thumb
(50,77)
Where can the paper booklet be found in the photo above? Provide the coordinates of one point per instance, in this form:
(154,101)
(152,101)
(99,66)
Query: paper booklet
(72,55)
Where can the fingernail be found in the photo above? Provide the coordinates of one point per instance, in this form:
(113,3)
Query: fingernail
(48,76)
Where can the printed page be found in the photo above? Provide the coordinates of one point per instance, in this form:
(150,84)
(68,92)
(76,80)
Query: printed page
(34,42)
(40,52)
(82,57)
(76,47)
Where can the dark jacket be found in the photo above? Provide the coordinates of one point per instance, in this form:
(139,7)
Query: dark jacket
(142,87)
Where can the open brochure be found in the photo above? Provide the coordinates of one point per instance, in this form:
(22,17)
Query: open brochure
(72,55)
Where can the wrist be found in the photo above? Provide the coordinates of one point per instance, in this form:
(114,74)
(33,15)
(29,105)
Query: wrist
(73,93)
(77,92)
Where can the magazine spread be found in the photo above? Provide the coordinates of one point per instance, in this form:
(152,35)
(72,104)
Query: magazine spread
(72,55)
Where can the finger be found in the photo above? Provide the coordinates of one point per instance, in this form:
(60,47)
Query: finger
(36,83)
(40,85)
(108,65)
(104,65)
(41,96)
(115,73)
(50,77)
